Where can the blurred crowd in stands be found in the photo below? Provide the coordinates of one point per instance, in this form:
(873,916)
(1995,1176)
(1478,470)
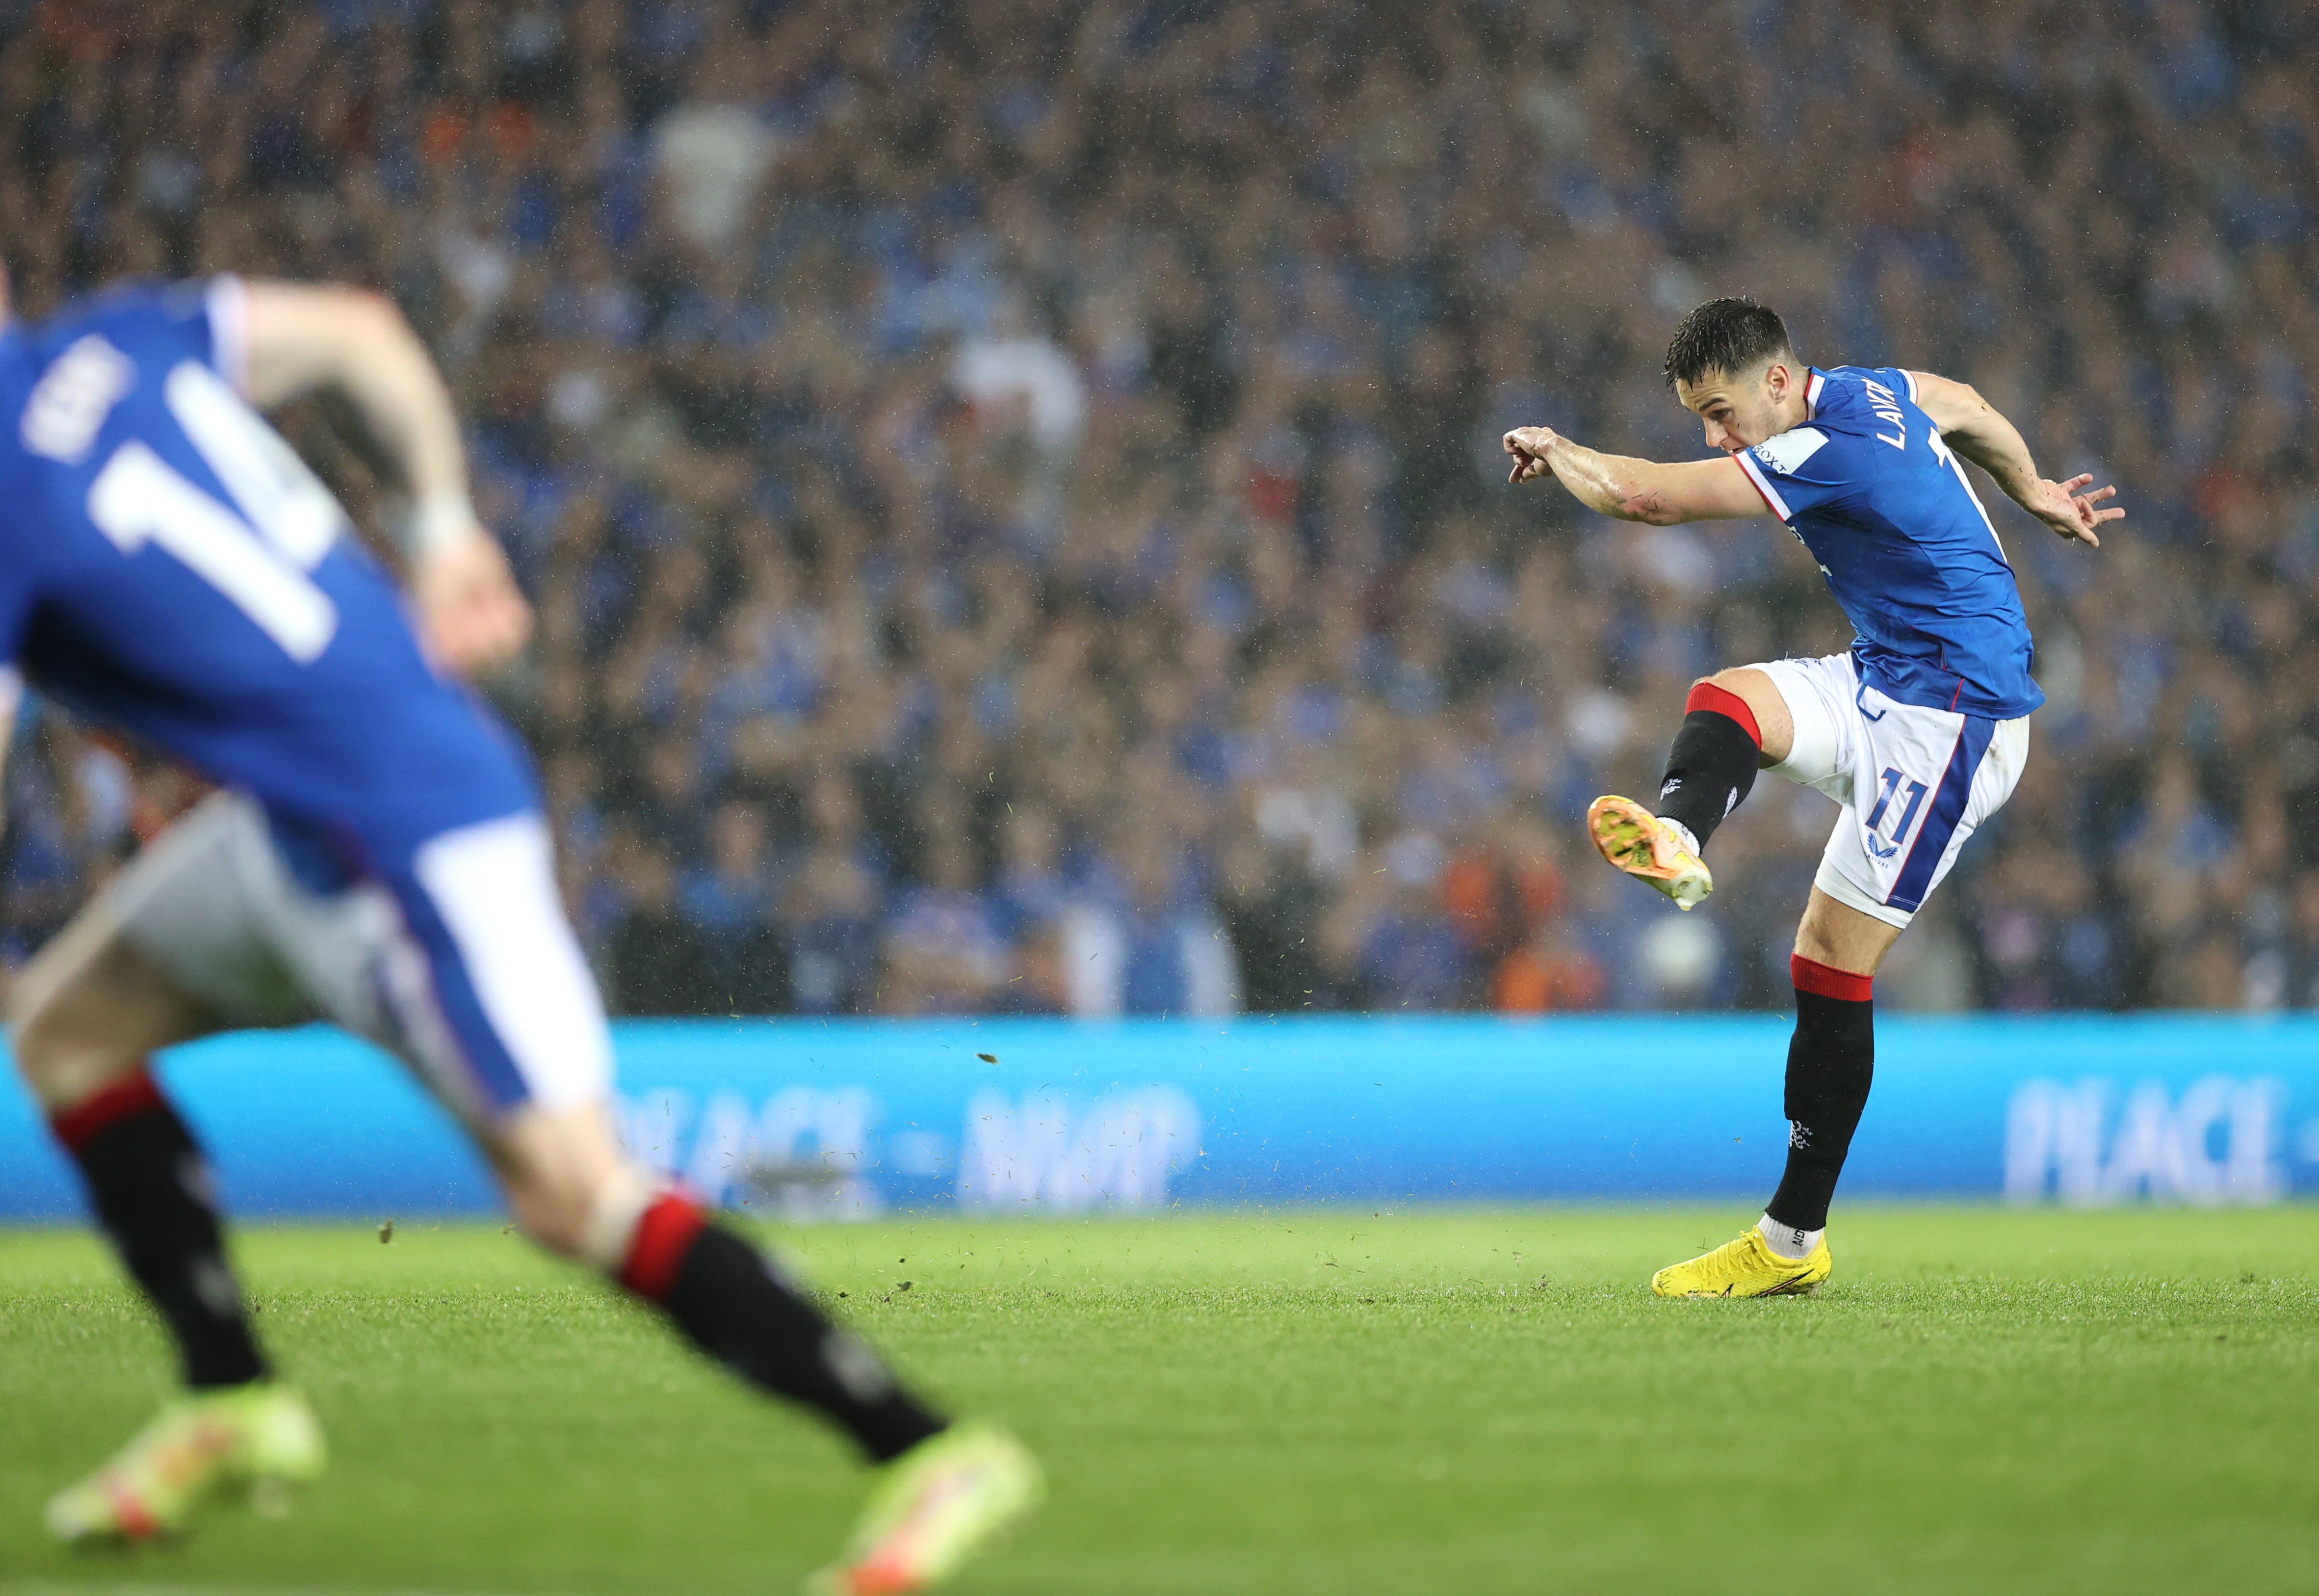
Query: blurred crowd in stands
(1012,493)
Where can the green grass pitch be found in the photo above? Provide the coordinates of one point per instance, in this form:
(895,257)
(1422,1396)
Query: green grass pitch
(1329,1402)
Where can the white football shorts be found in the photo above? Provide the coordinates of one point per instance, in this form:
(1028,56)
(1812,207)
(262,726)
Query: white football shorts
(1914,782)
(457,959)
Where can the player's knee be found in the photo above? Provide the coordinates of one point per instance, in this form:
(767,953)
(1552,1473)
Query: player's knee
(65,1054)
(44,1051)
(62,1072)
(85,1013)
(35,1060)
(26,1031)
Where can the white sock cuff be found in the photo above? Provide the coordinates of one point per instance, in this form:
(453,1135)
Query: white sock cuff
(1786,1241)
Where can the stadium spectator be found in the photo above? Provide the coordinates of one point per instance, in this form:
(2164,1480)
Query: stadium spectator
(1010,488)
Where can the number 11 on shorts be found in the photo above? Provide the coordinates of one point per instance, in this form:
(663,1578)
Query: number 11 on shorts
(1892,779)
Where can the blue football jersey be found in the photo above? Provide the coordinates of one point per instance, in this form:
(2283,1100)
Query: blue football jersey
(1911,556)
(168,565)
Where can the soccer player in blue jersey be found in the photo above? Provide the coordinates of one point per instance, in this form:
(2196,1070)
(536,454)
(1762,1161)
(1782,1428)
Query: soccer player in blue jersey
(374,856)
(1918,732)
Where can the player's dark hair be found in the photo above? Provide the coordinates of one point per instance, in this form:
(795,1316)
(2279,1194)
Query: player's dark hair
(1725,335)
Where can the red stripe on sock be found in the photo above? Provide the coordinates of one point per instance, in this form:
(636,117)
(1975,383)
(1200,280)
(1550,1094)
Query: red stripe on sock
(1826,981)
(90,1118)
(1723,701)
(663,1235)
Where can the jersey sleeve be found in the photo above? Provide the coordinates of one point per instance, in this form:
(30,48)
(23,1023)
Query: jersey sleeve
(1801,470)
(225,304)
(208,319)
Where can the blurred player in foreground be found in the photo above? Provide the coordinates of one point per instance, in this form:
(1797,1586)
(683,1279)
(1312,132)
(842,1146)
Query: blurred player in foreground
(1920,731)
(376,858)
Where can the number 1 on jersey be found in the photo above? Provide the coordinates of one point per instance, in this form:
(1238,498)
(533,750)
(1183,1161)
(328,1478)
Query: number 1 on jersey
(258,559)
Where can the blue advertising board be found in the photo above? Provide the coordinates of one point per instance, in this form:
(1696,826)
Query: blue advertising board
(852,1118)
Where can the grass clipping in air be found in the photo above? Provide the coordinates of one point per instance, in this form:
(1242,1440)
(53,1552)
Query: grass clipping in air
(1322,1404)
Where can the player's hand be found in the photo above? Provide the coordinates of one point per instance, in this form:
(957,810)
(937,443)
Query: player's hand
(2071,512)
(472,617)
(1528,445)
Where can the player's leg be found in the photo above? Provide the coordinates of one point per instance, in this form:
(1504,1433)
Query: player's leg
(948,1489)
(495,1006)
(1831,1062)
(1876,872)
(87,1014)
(574,1193)
(90,1012)
(1735,722)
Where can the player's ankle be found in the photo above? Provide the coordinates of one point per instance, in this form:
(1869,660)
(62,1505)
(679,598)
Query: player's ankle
(234,1384)
(1789,1242)
(1682,835)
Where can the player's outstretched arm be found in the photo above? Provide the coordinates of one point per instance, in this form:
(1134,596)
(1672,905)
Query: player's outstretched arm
(1634,490)
(1973,428)
(300,337)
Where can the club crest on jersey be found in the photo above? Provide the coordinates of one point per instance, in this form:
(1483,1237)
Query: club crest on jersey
(1789,449)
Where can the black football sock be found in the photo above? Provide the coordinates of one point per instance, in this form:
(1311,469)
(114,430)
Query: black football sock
(724,1295)
(1831,1060)
(151,1191)
(1713,763)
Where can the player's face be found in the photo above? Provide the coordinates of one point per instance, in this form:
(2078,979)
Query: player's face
(1739,412)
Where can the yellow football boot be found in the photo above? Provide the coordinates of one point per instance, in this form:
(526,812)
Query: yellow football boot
(260,1437)
(941,1501)
(1744,1267)
(1649,849)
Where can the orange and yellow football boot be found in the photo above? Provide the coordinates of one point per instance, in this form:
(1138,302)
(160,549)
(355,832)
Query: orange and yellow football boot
(944,1500)
(1653,851)
(260,1437)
